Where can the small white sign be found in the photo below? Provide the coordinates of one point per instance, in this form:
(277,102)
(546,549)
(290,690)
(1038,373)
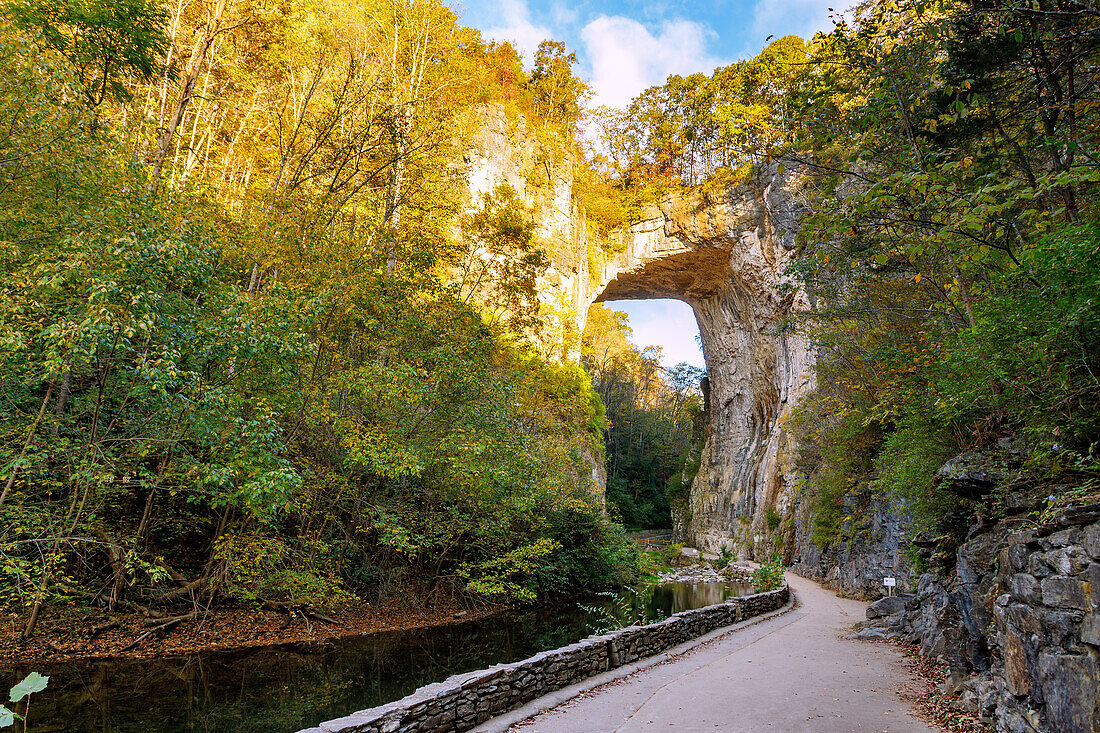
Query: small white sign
(889,582)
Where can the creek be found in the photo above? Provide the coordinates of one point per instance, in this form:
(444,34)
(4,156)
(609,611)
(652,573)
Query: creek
(293,686)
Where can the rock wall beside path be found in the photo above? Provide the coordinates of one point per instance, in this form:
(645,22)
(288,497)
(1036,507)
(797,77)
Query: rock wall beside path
(1017,622)
(876,542)
(464,701)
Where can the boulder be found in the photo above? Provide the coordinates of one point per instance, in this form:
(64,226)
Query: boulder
(1090,630)
(1017,674)
(888,606)
(1062,592)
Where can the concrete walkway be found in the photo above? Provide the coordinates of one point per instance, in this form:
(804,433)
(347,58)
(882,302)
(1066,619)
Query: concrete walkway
(793,672)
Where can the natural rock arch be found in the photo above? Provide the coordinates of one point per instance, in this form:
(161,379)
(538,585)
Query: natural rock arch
(723,253)
(725,256)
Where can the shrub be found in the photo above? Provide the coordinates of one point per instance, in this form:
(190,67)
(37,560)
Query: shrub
(907,467)
(769,576)
(725,555)
(258,568)
(666,555)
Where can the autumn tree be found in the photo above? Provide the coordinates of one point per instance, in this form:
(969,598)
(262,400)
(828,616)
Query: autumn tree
(559,95)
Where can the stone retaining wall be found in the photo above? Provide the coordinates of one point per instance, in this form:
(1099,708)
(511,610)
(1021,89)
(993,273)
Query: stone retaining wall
(1021,616)
(464,701)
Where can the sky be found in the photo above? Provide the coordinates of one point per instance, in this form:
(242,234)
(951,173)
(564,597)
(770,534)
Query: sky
(626,46)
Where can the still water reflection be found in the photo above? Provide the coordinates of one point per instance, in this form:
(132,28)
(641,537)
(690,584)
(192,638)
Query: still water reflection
(288,687)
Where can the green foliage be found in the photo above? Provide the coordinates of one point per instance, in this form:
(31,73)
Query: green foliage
(259,568)
(725,556)
(910,457)
(264,378)
(103,41)
(837,452)
(651,412)
(952,256)
(772,518)
(667,554)
(694,128)
(628,607)
(32,683)
(917,563)
(592,552)
(769,576)
(501,263)
(1033,350)
(502,578)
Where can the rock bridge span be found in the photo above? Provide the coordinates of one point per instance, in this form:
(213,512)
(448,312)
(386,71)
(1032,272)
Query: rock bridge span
(724,254)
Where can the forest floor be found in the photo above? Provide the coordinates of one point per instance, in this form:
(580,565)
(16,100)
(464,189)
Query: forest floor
(67,634)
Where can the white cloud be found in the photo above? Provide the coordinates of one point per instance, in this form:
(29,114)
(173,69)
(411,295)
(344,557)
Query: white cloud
(789,17)
(564,14)
(516,26)
(627,58)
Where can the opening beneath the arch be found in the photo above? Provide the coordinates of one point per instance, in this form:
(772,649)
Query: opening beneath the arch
(646,365)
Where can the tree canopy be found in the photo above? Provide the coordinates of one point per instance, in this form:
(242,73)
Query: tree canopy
(236,362)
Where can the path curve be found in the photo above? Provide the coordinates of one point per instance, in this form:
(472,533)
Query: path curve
(793,672)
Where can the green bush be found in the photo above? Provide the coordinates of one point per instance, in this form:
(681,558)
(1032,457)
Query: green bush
(906,468)
(725,555)
(592,553)
(1034,351)
(769,576)
(266,567)
(667,554)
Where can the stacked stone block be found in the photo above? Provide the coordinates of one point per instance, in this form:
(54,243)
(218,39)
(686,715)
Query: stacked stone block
(1047,632)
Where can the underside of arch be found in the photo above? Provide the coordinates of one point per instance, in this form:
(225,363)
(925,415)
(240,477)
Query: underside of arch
(690,275)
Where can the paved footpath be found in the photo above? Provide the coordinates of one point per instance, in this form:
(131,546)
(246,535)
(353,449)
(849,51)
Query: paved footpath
(793,672)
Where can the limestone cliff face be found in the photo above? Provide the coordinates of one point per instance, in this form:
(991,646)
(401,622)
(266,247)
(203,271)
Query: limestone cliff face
(723,253)
(503,150)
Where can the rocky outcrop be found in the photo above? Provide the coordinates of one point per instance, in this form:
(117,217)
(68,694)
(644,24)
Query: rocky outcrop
(503,150)
(1017,623)
(875,542)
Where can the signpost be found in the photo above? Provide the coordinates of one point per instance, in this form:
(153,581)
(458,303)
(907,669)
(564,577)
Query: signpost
(889,583)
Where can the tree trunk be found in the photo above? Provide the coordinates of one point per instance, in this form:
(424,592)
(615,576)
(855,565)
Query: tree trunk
(187,92)
(26,445)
